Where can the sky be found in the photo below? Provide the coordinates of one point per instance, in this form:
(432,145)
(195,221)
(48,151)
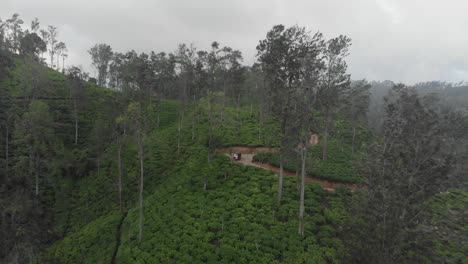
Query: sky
(405,41)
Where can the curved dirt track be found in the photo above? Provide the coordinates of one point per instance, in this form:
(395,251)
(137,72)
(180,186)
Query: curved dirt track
(247,159)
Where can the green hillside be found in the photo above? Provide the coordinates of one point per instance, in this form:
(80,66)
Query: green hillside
(235,219)
(128,167)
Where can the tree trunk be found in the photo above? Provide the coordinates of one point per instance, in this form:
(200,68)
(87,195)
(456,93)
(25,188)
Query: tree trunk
(284,124)
(7,141)
(195,118)
(280,180)
(181,116)
(239,118)
(76,121)
(223,104)
(98,164)
(354,138)
(301,206)
(325,135)
(210,144)
(36,172)
(298,180)
(33,171)
(119,158)
(210,137)
(193,129)
(260,122)
(179,131)
(140,213)
(283,137)
(158,109)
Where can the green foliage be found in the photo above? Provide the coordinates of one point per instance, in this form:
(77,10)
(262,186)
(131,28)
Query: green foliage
(96,194)
(94,243)
(235,220)
(241,128)
(449,212)
(195,209)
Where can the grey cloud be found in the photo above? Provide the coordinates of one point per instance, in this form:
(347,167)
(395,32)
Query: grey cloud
(406,41)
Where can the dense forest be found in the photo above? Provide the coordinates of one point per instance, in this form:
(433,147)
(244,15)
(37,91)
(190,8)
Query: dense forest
(134,165)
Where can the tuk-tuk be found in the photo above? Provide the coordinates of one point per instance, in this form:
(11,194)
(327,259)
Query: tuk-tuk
(237,156)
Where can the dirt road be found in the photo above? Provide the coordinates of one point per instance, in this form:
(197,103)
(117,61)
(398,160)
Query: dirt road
(247,159)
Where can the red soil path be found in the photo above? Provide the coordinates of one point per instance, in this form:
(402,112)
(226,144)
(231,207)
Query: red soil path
(247,159)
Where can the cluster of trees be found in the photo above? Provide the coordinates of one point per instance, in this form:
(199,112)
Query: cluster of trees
(186,75)
(297,75)
(29,162)
(450,95)
(417,158)
(308,85)
(34,41)
(34,127)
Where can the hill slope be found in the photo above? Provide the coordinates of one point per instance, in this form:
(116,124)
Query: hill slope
(235,219)
(194,210)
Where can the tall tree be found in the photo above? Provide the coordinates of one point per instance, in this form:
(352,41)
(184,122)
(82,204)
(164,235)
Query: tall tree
(15,32)
(64,57)
(7,114)
(145,78)
(100,134)
(302,126)
(45,38)
(52,41)
(357,107)
(135,117)
(34,133)
(115,76)
(35,25)
(401,174)
(121,134)
(304,121)
(335,84)
(101,55)
(214,62)
(60,49)
(76,77)
(258,94)
(32,44)
(164,66)
(199,89)
(280,55)
(233,77)
(2,35)
(185,58)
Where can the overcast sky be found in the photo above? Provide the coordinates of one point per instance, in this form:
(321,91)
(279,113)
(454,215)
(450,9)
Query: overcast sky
(399,40)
